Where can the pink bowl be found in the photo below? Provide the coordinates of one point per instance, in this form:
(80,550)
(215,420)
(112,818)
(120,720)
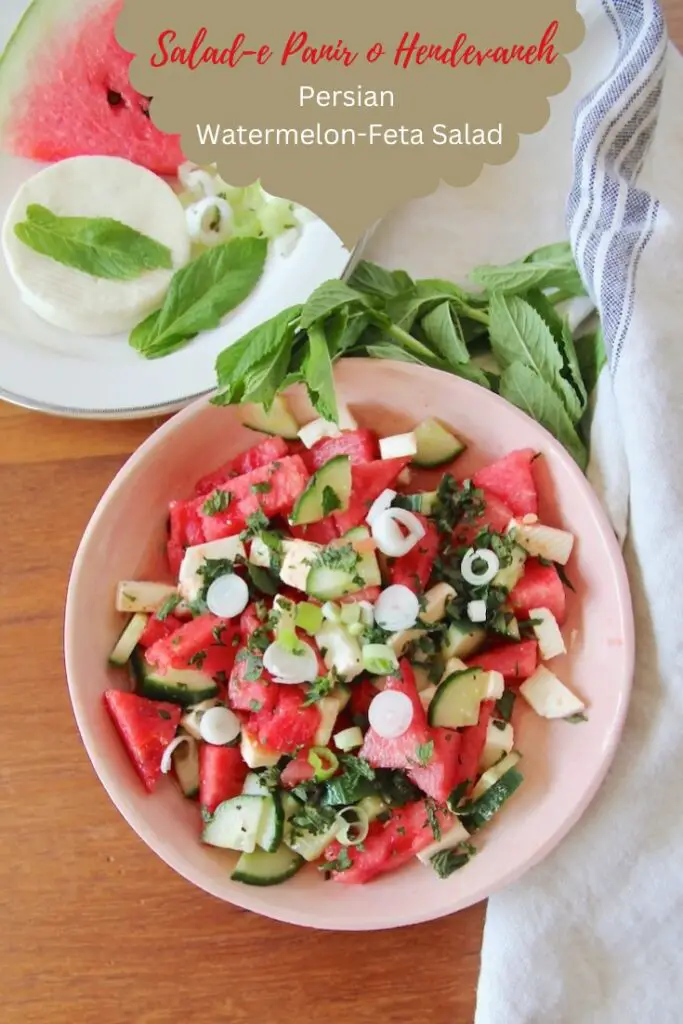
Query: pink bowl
(563,764)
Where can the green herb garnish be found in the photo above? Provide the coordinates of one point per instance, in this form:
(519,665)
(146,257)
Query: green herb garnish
(330,500)
(200,295)
(257,522)
(423,753)
(217,502)
(97,246)
(445,862)
(432,819)
(342,862)
(168,607)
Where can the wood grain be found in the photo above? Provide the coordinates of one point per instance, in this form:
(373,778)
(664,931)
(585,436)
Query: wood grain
(94,927)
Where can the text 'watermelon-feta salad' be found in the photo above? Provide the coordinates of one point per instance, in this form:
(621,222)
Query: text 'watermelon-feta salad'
(332,673)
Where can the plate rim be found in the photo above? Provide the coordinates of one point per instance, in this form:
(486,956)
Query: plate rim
(254,901)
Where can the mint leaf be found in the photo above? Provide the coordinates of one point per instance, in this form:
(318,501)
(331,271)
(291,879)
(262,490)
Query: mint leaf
(520,334)
(522,386)
(235,364)
(317,371)
(442,330)
(98,246)
(551,266)
(371,279)
(216,503)
(562,334)
(201,294)
(327,298)
(330,500)
(590,352)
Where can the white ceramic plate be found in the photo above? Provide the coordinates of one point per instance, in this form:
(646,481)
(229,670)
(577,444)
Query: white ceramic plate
(45,368)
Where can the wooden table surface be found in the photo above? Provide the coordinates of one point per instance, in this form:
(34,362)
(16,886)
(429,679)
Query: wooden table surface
(94,927)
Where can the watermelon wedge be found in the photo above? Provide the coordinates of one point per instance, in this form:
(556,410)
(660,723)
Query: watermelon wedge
(510,479)
(65,90)
(146,728)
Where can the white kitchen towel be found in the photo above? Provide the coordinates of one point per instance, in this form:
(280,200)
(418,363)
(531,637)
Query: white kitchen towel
(595,933)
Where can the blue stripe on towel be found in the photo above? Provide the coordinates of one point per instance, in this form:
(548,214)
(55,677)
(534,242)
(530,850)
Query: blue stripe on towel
(609,219)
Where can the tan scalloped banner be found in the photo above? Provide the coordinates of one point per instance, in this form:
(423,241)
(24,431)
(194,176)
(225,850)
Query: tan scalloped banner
(353,108)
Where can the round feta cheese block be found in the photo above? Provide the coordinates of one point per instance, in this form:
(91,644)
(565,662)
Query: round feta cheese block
(97,187)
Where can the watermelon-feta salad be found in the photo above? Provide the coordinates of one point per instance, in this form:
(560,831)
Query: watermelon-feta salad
(332,673)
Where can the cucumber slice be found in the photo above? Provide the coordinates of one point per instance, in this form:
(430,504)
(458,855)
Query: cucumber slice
(477,814)
(267,868)
(179,686)
(424,502)
(435,444)
(137,596)
(462,639)
(310,846)
(277,420)
(272,823)
(128,640)
(497,771)
(327,584)
(185,760)
(235,824)
(511,574)
(328,490)
(357,533)
(457,699)
(373,806)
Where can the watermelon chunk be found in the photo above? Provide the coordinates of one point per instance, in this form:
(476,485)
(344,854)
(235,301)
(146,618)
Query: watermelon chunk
(472,742)
(322,532)
(65,90)
(289,724)
(495,517)
(360,445)
(193,639)
(298,770)
(539,587)
(158,629)
(246,694)
(362,694)
(439,777)
(221,775)
(261,454)
(402,751)
(184,530)
(390,845)
(223,524)
(511,480)
(414,569)
(364,594)
(251,620)
(368,480)
(146,728)
(515,662)
(273,488)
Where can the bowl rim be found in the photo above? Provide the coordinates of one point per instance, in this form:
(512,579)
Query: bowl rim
(253,898)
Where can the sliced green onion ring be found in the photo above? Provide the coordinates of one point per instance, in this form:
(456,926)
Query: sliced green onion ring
(324,763)
(353,826)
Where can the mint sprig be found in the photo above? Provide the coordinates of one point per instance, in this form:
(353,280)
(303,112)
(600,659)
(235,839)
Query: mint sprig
(508,337)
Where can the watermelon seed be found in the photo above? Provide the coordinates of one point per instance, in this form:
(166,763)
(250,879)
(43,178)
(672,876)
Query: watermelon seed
(114,99)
